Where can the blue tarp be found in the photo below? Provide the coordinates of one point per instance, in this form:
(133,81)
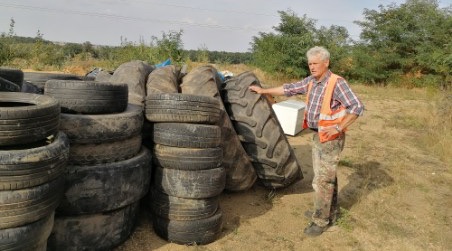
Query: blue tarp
(164,63)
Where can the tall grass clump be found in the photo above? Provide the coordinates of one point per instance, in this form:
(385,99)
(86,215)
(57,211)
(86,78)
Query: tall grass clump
(438,127)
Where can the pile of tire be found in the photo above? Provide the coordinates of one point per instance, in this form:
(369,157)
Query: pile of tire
(33,157)
(189,176)
(108,170)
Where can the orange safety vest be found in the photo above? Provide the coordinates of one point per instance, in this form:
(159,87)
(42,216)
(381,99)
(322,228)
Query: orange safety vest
(327,118)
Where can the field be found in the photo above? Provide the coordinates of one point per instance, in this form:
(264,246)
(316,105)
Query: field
(394,177)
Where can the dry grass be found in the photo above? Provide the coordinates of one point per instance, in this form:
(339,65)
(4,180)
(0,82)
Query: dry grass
(394,178)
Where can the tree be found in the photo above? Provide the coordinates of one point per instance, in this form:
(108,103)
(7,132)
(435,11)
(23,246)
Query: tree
(284,51)
(410,42)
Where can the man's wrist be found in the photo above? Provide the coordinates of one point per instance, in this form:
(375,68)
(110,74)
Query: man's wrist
(338,128)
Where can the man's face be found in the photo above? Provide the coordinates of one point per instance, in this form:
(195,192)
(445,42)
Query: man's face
(317,66)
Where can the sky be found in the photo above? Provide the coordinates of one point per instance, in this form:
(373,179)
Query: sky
(220,25)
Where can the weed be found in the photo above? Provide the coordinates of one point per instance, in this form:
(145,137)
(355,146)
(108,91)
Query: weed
(345,220)
(345,162)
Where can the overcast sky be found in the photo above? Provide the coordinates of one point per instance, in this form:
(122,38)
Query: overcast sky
(222,25)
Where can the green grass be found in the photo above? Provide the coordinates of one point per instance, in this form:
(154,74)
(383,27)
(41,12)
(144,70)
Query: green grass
(345,220)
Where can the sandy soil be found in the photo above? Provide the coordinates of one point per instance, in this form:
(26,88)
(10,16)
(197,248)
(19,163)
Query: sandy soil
(394,196)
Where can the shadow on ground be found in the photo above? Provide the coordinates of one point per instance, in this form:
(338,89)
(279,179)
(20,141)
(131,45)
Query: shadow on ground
(366,178)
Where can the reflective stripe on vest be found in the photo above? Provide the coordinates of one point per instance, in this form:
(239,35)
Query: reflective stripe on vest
(327,118)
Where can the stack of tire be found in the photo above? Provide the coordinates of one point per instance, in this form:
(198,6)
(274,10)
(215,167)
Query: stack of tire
(188,177)
(33,157)
(108,169)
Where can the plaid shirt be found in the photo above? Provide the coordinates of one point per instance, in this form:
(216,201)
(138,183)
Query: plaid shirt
(342,95)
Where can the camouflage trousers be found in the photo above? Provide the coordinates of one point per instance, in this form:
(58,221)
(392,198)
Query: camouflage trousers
(325,158)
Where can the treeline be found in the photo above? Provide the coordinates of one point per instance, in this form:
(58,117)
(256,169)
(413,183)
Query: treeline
(405,45)
(38,53)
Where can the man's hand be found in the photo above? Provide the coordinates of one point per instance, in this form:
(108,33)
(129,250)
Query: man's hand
(330,131)
(256,89)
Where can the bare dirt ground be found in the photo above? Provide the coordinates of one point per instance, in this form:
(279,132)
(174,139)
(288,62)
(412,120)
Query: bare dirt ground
(394,194)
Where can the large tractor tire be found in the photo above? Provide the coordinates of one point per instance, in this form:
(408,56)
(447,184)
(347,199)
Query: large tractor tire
(260,133)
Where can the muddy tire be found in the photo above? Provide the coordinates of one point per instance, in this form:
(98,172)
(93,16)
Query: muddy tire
(8,86)
(99,128)
(175,208)
(198,184)
(23,206)
(14,75)
(39,79)
(134,74)
(29,237)
(106,187)
(240,172)
(88,97)
(202,80)
(102,231)
(107,152)
(187,158)
(103,76)
(162,80)
(260,133)
(27,118)
(187,135)
(28,87)
(202,231)
(32,166)
(176,107)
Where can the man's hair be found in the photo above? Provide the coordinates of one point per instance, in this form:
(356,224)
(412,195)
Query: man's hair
(318,51)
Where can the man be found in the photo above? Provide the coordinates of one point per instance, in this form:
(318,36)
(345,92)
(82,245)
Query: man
(331,107)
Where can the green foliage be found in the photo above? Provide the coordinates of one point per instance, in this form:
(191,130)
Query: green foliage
(284,52)
(7,44)
(219,57)
(410,41)
(129,51)
(201,55)
(170,46)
